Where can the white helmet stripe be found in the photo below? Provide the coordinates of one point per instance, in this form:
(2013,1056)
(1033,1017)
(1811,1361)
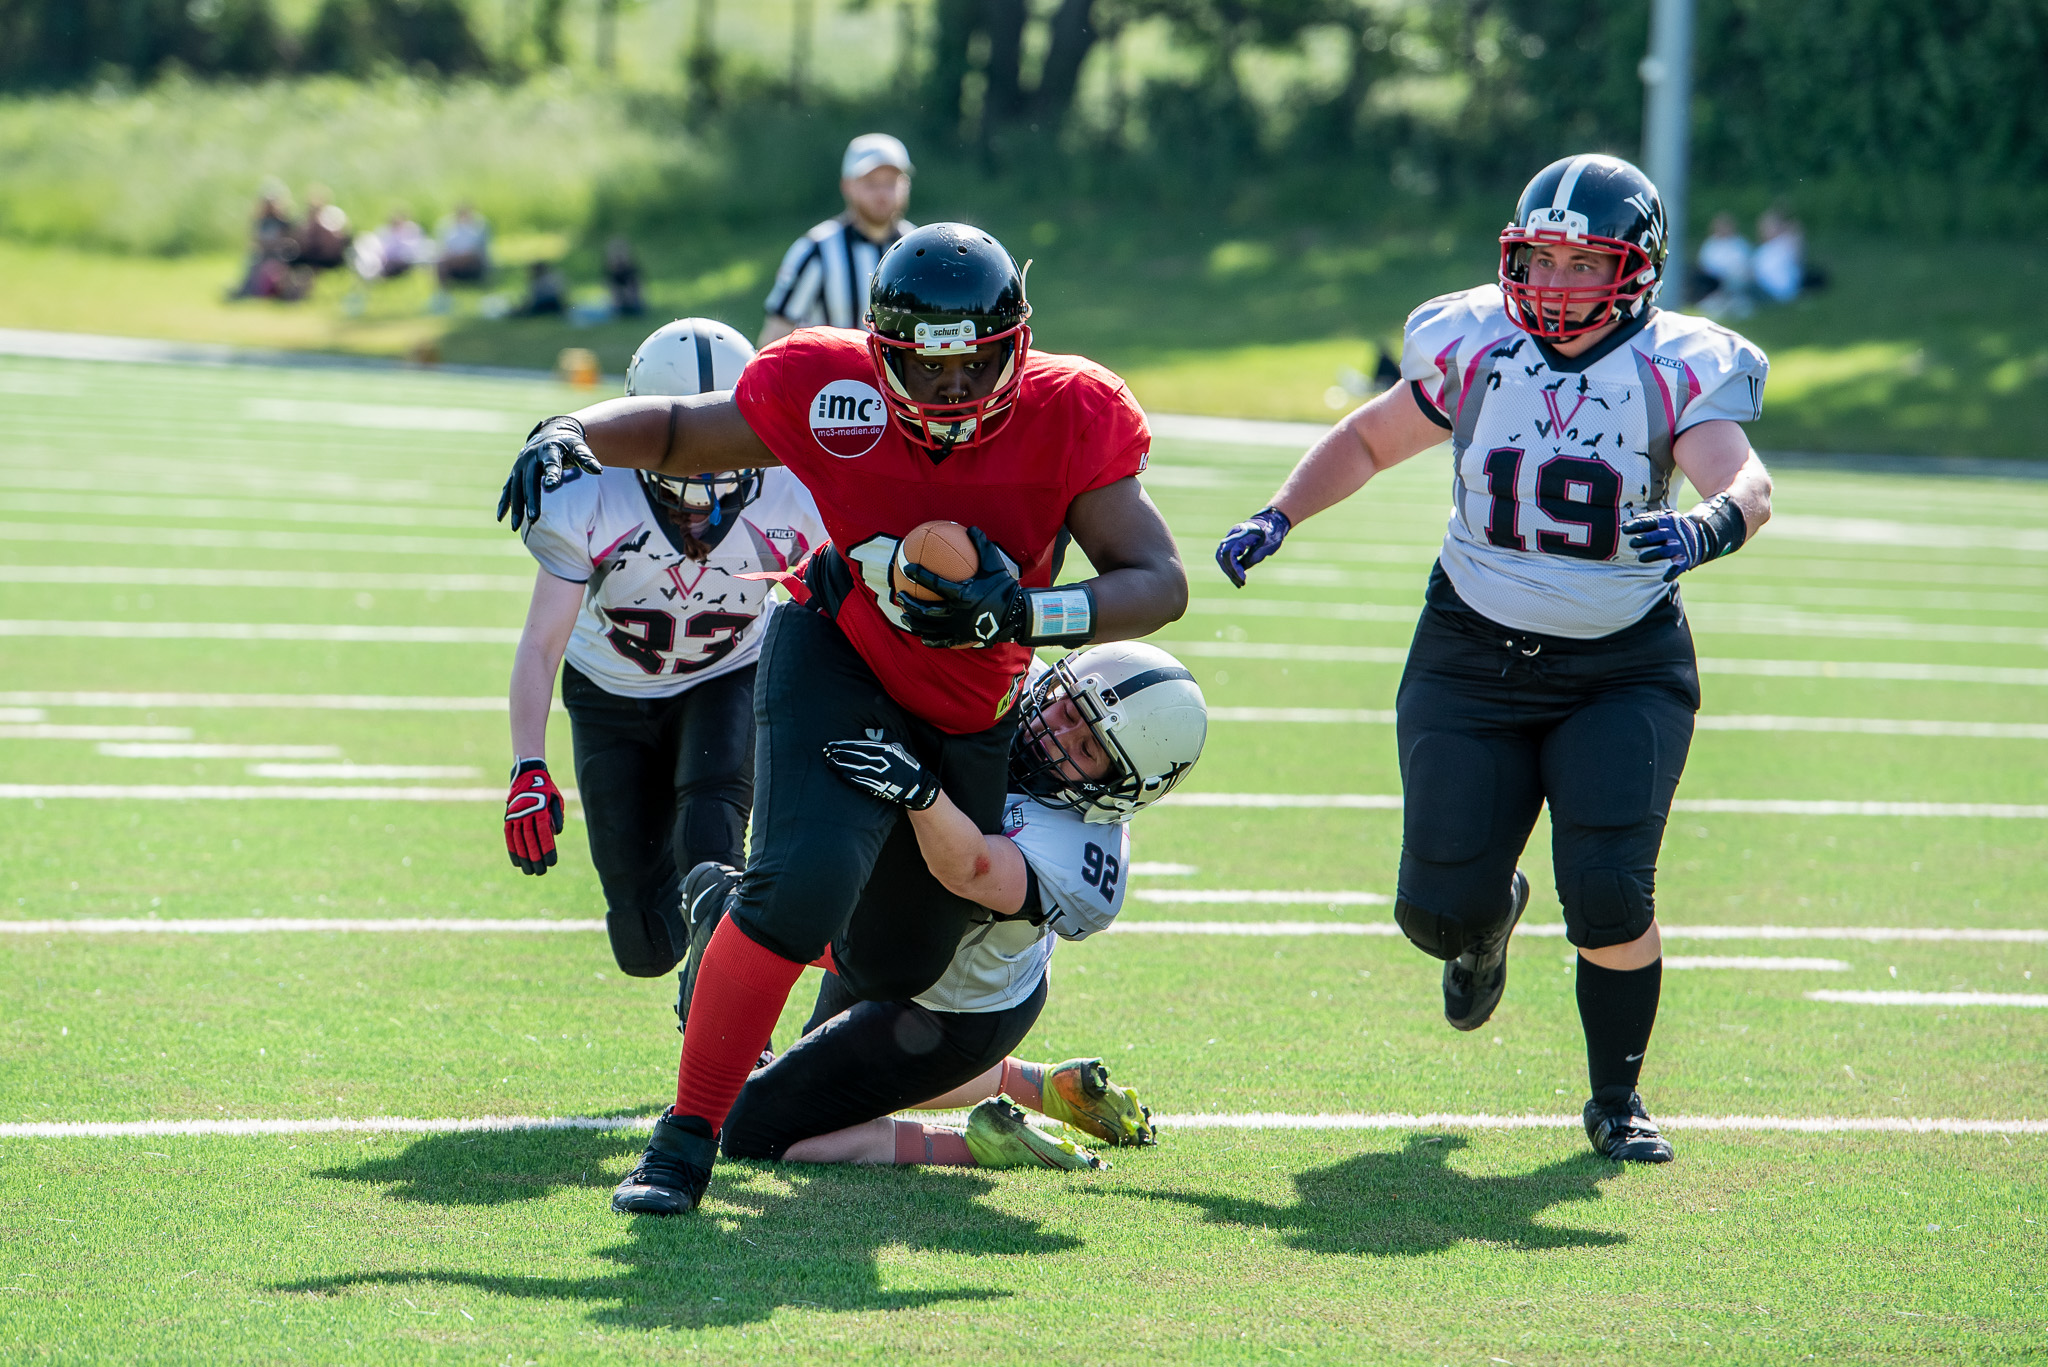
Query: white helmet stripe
(1569,181)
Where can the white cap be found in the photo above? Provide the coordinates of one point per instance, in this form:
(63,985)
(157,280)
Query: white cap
(870,150)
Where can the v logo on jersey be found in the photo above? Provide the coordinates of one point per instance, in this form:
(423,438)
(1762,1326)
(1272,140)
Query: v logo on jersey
(1559,420)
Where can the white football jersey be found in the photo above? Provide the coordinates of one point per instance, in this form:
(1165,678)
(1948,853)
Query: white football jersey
(1080,869)
(1550,455)
(654,621)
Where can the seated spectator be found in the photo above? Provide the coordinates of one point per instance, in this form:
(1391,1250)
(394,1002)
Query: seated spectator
(324,235)
(547,291)
(272,272)
(465,248)
(392,250)
(1722,274)
(1780,264)
(622,273)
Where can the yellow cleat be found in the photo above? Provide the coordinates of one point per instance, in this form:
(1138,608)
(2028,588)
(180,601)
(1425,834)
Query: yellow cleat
(1078,1093)
(999,1136)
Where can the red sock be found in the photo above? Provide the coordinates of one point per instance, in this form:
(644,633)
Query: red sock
(741,989)
(1025,1083)
(933,1145)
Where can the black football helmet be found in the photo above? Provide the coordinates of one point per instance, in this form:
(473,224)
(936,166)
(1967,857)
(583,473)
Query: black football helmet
(1593,202)
(947,288)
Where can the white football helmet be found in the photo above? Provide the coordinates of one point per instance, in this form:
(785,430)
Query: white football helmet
(694,356)
(1146,711)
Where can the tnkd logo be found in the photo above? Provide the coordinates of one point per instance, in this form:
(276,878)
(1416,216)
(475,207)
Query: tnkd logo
(847,418)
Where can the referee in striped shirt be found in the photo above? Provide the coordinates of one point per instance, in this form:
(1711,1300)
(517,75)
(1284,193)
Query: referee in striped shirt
(825,273)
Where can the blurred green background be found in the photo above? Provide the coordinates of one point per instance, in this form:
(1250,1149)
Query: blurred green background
(1233,202)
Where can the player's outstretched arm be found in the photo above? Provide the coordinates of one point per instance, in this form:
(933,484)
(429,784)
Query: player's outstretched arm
(1140,584)
(985,869)
(533,811)
(693,435)
(1735,492)
(1378,435)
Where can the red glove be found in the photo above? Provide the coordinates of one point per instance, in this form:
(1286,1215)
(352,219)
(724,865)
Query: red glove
(533,817)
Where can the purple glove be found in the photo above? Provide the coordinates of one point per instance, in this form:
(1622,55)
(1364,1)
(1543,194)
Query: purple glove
(1251,541)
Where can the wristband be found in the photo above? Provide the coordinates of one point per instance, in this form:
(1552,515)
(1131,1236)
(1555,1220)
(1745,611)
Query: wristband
(1058,617)
(1720,518)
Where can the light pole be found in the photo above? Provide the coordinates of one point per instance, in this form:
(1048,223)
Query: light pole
(1667,125)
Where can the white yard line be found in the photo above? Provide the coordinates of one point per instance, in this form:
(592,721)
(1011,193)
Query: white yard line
(97,506)
(1723,619)
(1776,669)
(164,577)
(1384,802)
(43,730)
(222,538)
(21,716)
(1744,962)
(206,750)
(317,702)
(2034,999)
(274,925)
(1261,897)
(262,631)
(1866,726)
(1244,1120)
(378,771)
(384,417)
(1391,802)
(399,925)
(1143,868)
(244,792)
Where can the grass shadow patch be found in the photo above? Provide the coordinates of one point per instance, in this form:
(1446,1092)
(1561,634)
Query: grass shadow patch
(767,1237)
(1411,1201)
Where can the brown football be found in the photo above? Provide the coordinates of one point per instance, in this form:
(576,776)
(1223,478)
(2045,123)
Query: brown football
(944,548)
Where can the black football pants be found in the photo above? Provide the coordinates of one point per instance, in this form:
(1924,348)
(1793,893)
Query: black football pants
(830,864)
(1494,722)
(665,785)
(859,1060)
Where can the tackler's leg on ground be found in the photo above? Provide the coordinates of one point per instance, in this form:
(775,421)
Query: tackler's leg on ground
(624,776)
(856,1067)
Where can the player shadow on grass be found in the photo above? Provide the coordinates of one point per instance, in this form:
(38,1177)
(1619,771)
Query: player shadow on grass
(1411,1201)
(767,1236)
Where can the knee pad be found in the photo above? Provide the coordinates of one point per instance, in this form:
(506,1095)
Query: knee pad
(650,940)
(1446,937)
(1606,906)
(1440,937)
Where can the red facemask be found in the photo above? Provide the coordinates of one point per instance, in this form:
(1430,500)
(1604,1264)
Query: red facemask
(1547,311)
(945,426)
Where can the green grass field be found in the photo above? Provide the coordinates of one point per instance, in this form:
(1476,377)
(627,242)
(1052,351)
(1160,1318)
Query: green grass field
(141,498)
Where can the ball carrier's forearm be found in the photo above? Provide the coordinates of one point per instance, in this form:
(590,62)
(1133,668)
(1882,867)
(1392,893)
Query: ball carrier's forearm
(1140,584)
(693,435)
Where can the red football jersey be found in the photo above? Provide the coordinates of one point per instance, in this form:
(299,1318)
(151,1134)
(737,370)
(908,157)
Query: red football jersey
(812,400)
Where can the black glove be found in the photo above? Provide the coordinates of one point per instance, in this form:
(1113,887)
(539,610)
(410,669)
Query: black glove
(885,769)
(533,817)
(1251,541)
(552,444)
(982,611)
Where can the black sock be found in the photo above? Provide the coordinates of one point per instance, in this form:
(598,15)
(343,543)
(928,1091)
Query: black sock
(1617,1008)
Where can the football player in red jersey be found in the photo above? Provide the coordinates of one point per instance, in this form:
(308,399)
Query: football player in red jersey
(941,410)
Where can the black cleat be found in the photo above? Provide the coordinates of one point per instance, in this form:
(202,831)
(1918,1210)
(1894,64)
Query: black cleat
(673,1172)
(705,893)
(1622,1130)
(1475,979)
